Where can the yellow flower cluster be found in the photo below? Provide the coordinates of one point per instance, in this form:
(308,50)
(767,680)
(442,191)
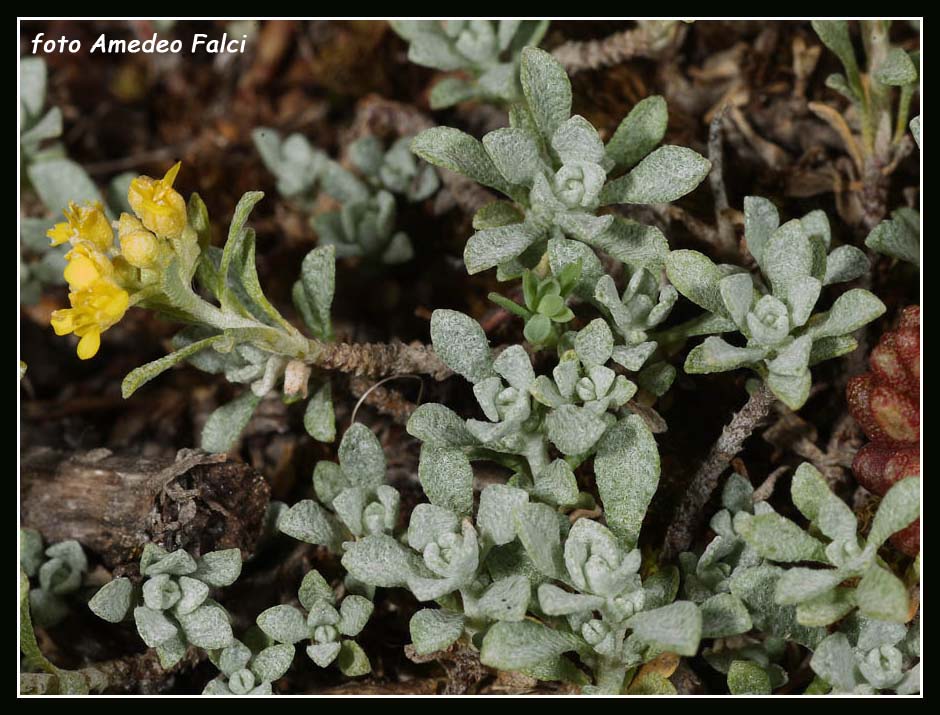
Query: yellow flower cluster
(98,274)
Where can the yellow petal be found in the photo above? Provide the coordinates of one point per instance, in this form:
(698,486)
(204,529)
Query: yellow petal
(171,173)
(62,322)
(88,345)
(60,233)
(81,272)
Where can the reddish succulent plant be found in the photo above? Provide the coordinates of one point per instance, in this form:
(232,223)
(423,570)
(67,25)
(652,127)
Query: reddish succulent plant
(886,403)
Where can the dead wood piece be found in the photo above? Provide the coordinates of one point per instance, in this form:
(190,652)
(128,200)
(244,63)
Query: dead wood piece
(381,359)
(689,514)
(113,504)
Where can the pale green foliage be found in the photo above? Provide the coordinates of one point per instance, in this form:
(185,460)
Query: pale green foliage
(555,169)
(249,668)
(774,311)
(353,498)
(898,237)
(172,608)
(327,623)
(485,52)
(821,595)
(58,571)
(365,223)
(869,656)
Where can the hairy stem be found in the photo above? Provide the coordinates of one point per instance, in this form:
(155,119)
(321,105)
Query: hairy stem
(689,514)
(377,359)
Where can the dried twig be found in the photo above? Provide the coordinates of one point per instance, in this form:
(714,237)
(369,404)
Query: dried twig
(727,244)
(380,359)
(689,515)
(648,39)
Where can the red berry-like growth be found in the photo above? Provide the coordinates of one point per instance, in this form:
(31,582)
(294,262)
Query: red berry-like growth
(886,403)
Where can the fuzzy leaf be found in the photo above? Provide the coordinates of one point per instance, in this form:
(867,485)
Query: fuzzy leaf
(846,263)
(538,530)
(514,153)
(308,521)
(113,600)
(899,508)
(434,630)
(219,568)
(506,599)
(639,132)
(273,662)
(760,221)
(319,418)
(207,627)
(455,150)
(724,615)
(573,430)
(777,538)
(627,469)
(498,502)
(696,277)
(746,677)
(447,478)
(284,624)
(379,560)
(546,88)
(511,646)
(361,457)
(676,628)
(226,423)
(491,247)
(594,343)
(461,343)
(440,426)
(852,310)
(667,174)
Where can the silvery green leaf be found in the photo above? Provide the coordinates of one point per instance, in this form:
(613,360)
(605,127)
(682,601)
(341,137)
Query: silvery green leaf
(379,560)
(514,153)
(577,140)
(497,213)
(555,484)
(329,481)
(490,247)
(58,181)
(846,263)
(851,310)
(896,69)
(555,601)
(506,599)
(428,522)
(639,132)
(676,628)
(514,365)
(546,392)
(793,360)
(746,677)
(546,88)
(354,612)
(760,221)
(153,626)
(193,593)
(171,652)
(48,126)
(160,592)
(882,595)
(233,658)
(284,624)
(342,185)
(511,646)
(450,91)
(627,469)
(801,584)
(665,175)
(633,358)
(657,378)
(756,587)
(453,149)
(777,538)
(207,627)
(574,430)
(319,419)
(447,478)
(361,457)
(272,662)
(737,294)
(31,551)
(737,494)
(32,85)
(696,277)
(899,508)
(318,279)
(829,348)
(834,661)
(915,129)
(113,600)
(826,608)
(835,35)
(495,513)
(219,568)
(791,390)
(633,243)
(308,521)
(439,425)
(226,423)
(897,238)
(352,660)
(810,491)
(538,529)
(176,563)
(314,588)
(348,507)
(660,589)
(434,630)
(323,653)
(724,615)
(461,343)
(583,226)
(910,683)
(716,355)
(594,343)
